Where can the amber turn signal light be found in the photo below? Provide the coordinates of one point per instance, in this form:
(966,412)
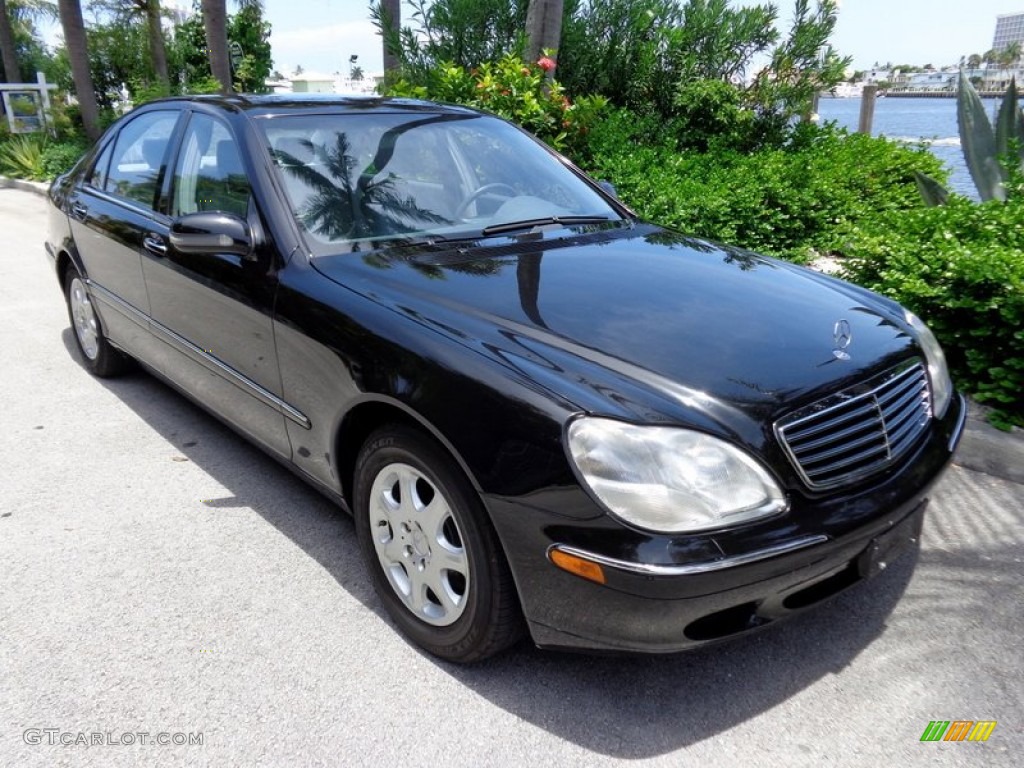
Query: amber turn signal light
(577,565)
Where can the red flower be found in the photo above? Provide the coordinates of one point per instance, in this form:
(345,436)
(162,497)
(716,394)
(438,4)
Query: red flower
(546,63)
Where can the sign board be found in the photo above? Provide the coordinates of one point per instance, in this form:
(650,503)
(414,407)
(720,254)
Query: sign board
(236,54)
(24,111)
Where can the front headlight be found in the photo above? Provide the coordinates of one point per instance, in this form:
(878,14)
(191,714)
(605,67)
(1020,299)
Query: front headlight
(669,479)
(938,373)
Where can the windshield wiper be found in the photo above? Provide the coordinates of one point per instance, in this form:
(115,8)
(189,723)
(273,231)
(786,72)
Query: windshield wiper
(512,226)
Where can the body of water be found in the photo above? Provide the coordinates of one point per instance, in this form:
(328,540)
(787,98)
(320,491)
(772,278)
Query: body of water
(930,120)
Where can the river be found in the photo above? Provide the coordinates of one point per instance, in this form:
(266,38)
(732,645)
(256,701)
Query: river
(931,120)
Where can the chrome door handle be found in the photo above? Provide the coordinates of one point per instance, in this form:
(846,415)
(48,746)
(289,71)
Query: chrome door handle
(79,211)
(155,245)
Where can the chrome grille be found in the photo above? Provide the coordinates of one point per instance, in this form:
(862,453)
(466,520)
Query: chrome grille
(859,431)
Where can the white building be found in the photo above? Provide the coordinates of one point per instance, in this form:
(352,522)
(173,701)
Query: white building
(1009,29)
(318,82)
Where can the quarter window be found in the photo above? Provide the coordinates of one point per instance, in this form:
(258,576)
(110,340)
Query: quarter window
(137,162)
(98,177)
(209,175)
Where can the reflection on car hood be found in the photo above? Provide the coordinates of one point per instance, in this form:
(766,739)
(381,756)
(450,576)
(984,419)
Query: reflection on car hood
(600,316)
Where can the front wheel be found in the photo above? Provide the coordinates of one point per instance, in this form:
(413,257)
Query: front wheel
(434,558)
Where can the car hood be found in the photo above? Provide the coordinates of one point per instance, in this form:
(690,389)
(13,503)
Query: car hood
(642,322)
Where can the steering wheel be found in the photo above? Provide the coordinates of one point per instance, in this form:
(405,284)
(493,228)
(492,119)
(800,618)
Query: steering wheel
(480,191)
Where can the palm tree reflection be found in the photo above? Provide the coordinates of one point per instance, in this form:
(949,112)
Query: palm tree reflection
(345,206)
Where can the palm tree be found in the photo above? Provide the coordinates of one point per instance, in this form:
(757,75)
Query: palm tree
(215,22)
(543,28)
(10,59)
(157,47)
(391,21)
(150,9)
(74,41)
(1011,55)
(129,11)
(14,16)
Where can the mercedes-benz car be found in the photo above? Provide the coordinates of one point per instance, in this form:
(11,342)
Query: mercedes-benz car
(547,416)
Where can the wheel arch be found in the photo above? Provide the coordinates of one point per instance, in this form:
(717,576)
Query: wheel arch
(369,414)
(65,260)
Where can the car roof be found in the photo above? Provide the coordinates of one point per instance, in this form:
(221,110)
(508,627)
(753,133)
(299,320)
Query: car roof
(277,103)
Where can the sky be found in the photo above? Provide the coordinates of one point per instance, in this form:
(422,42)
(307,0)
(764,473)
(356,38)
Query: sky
(321,35)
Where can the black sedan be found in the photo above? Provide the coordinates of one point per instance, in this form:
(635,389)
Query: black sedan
(546,415)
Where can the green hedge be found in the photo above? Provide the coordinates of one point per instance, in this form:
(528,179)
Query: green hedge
(35,157)
(961,267)
(791,202)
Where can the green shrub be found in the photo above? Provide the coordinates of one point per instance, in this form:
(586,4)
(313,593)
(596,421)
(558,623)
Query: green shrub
(59,157)
(22,157)
(791,202)
(961,267)
(516,91)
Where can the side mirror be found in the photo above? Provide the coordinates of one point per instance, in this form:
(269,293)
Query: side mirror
(212,232)
(609,188)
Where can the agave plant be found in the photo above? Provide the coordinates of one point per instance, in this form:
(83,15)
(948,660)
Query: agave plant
(986,149)
(21,157)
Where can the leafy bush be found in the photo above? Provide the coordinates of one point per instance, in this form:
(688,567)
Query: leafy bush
(466,33)
(59,157)
(791,202)
(961,267)
(518,92)
(22,157)
(647,55)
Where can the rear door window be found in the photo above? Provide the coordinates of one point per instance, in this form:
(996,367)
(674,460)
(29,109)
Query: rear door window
(140,152)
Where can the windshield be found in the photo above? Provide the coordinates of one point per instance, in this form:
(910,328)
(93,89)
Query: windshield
(361,180)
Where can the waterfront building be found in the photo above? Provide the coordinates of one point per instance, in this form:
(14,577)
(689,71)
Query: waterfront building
(1009,29)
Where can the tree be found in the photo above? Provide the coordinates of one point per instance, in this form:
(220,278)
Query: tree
(391,20)
(78,57)
(10,59)
(215,23)
(128,11)
(543,29)
(252,33)
(157,47)
(18,35)
(974,61)
(1010,55)
(464,32)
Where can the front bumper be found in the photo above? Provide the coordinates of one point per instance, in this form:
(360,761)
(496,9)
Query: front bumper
(665,594)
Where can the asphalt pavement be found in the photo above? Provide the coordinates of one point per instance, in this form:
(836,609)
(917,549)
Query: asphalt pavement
(160,576)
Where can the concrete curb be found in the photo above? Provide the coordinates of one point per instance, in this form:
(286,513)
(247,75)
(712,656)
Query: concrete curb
(983,448)
(992,451)
(38,187)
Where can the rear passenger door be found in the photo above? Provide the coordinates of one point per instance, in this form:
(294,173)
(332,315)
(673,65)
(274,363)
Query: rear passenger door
(214,310)
(113,215)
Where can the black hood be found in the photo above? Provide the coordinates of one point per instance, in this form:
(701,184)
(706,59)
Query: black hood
(602,318)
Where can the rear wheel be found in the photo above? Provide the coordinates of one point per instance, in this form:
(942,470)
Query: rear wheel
(434,558)
(101,358)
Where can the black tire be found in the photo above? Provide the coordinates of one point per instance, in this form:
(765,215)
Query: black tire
(488,617)
(100,357)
